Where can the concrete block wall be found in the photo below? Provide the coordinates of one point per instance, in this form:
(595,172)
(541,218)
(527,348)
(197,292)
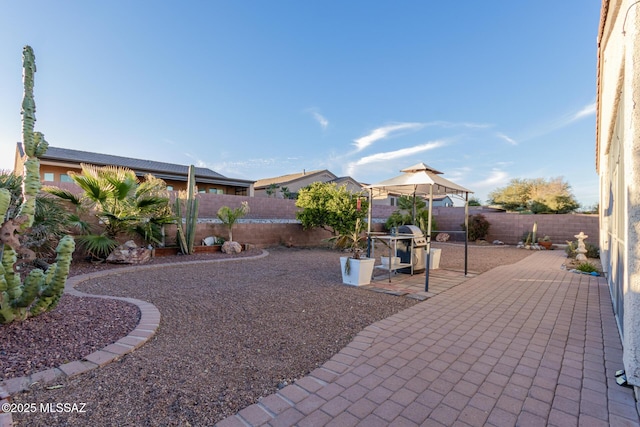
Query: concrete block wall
(271,221)
(509,227)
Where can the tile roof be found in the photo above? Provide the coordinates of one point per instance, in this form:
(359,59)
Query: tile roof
(98,159)
(287,178)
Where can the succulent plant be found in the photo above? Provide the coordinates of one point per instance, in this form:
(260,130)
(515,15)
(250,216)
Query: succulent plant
(187,231)
(40,290)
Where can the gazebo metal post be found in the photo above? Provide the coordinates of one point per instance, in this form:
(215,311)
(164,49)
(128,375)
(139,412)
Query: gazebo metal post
(369,216)
(466,230)
(428,261)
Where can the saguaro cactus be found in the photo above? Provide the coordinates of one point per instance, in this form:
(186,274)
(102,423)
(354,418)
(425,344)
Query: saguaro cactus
(187,232)
(40,291)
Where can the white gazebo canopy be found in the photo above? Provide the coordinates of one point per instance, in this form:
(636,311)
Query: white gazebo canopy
(420,180)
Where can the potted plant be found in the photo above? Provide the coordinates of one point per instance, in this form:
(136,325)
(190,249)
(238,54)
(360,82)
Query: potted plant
(545,242)
(356,269)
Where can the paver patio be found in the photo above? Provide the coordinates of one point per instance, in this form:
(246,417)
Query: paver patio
(526,344)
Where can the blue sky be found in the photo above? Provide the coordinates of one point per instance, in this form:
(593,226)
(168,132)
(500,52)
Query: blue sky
(483,91)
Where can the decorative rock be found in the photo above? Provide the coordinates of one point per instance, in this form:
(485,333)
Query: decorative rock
(231,248)
(442,237)
(498,242)
(129,253)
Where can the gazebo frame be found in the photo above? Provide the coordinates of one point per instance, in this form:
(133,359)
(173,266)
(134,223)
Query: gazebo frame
(424,181)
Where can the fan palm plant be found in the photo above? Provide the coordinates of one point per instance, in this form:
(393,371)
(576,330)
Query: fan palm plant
(121,203)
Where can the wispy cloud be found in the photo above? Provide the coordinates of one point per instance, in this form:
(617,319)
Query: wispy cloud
(321,119)
(496,178)
(506,138)
(392,155)
(566,120)
(587,110)
(384,132)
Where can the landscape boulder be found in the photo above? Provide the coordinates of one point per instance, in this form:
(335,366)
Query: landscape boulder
(231,248)
(129,253)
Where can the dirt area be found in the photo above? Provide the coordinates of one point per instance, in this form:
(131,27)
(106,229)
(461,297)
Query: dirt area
(230,333)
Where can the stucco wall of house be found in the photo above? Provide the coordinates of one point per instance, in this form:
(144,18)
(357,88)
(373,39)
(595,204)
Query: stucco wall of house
(619,168)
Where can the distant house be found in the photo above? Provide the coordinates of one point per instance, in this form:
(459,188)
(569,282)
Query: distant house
(56,164)
(273,187)
(438,201)
(442,201)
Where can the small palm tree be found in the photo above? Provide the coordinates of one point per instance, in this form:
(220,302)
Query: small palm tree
(229,216)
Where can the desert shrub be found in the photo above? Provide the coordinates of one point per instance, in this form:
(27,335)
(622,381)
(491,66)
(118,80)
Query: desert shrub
(587,267)
(478,227)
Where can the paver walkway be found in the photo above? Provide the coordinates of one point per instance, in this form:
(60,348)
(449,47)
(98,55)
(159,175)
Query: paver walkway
(527,344)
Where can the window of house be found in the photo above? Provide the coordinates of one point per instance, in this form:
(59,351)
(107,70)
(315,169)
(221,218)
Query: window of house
(241,191)
(48,176)
(202,191)
(216,191)
(169,187)
(65,178)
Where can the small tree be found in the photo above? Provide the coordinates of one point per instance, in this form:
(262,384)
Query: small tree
(536,195)
(332,208)
(229,216)
(474,201)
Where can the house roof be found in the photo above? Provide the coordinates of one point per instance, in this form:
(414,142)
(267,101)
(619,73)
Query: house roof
(345,179)
(285,179)
(140,166)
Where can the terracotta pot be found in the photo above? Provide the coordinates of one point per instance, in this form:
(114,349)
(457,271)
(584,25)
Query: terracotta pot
(546,245)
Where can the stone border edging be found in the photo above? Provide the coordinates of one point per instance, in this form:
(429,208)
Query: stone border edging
(146,328)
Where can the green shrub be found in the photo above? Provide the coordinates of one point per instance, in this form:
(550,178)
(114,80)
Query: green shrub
(587,267)
(478,227)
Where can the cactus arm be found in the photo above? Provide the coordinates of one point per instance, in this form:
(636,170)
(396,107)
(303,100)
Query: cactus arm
(30,289)
(5,201)
(52,291)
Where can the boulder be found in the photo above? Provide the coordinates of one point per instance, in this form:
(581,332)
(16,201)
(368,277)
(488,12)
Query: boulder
(442,237)
(231,248)
(129,253)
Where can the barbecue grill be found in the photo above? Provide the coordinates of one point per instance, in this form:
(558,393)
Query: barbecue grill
(411,250)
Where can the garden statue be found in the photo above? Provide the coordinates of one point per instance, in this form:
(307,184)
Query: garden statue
(581,250)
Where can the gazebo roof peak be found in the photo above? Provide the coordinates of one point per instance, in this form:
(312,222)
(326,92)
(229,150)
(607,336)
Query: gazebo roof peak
(421,167)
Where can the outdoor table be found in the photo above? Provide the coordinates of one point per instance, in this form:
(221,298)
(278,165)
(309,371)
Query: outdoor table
(391,241)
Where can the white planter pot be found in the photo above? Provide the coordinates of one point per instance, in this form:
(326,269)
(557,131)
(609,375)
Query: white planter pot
(434,258)
(360,271)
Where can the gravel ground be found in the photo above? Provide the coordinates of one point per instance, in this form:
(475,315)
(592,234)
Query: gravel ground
(230,334)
